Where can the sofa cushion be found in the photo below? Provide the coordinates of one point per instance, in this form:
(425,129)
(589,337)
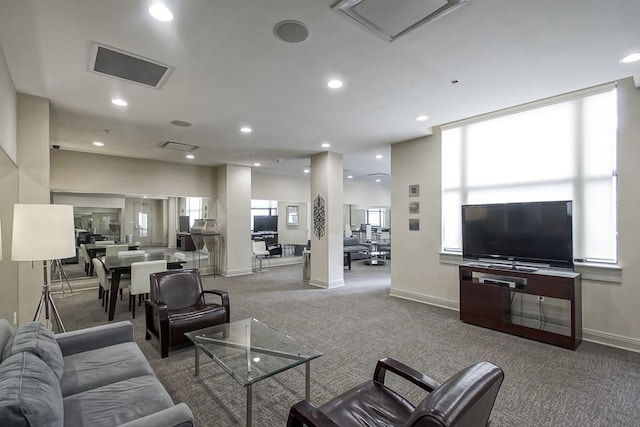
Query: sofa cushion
(35,338)
(96,368)
(350,241)
(116,403)
(30,392)
(6,339)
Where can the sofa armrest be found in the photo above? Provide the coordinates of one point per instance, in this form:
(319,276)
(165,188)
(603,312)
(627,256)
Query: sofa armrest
(177,416)
(224,296)
(96,337)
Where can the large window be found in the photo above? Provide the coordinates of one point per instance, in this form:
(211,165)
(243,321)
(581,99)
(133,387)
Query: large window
(375,217)
(194,209)
(564,151)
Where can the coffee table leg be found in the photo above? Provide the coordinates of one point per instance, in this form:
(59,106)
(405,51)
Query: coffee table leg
(249,405)
(197,360)
(307,381)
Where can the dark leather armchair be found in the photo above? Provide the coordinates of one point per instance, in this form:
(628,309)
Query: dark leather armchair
(274,249)
(177,305)
(464,400)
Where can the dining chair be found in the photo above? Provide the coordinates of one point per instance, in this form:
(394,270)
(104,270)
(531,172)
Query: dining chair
(260,252)
(180,256)
(87,258)
(104,281)
(104,242)
(140,282)
(131,253)
(112,250)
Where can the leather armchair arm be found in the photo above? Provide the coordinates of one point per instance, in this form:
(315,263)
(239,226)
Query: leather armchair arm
(305,413)
(388,364)
(224,296)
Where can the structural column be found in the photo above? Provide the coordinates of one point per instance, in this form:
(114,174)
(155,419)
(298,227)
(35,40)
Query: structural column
(233,212)
(326,220)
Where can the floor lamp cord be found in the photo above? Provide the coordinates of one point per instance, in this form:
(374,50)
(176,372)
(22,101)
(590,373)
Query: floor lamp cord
(46,300)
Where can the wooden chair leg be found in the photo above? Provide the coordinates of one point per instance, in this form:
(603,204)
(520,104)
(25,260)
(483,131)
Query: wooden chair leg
(105,297)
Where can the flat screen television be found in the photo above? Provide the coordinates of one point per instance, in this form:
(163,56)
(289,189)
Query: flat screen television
(534,232)
(265,223)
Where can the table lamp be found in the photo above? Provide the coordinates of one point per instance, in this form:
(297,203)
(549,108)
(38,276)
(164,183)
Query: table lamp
(43,233)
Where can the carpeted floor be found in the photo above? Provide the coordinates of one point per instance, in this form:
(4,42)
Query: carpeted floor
(354,326)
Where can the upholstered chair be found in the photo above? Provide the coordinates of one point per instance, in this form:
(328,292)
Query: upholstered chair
(464,400)
(177,305)
(140,281)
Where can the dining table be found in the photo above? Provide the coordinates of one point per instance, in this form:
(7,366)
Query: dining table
(118,266)
(95,250)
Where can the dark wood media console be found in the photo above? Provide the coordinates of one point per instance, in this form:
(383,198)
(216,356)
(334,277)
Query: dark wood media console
(487,296)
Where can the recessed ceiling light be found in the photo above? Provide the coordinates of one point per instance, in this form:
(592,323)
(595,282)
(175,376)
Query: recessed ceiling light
(161,12)
(245,129)
(119,102)
(350,176)
(306,171)
(377,180)
(422,118)
(190,156)
(256,164)
(334,84)
(98,143)
(378,156)
(630,58)
(325,145)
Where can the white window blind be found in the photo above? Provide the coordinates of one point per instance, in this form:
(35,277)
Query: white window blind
(564,151)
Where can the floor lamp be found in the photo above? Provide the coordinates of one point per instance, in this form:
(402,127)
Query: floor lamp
(43,233)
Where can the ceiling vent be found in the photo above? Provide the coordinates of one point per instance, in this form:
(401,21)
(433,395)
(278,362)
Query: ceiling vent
(393,19)
(128,66)
(177,146)
(378,175)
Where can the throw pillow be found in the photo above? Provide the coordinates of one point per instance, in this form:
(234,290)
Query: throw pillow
(35,338)
(6,339)
(30,391)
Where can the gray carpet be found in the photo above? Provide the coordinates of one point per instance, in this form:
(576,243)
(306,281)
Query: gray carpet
(355,325)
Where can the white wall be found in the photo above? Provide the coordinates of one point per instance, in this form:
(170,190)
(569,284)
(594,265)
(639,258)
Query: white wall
(8,99)
(8,191)
(420,272)
(356,193)
(277,187)
(293,234)
(94,173)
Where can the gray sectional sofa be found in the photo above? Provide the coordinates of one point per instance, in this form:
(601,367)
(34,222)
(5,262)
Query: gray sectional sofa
(90,377)
(353,246)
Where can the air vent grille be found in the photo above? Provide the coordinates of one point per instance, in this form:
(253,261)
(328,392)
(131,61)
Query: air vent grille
(177,146)
(128,66)
(392,19)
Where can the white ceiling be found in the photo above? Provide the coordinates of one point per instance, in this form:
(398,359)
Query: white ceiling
(230,70)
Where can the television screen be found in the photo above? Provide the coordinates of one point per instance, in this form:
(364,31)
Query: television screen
(265,223)
(536,232)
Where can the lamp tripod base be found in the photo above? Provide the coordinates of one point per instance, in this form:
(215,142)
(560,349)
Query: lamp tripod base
(46,302)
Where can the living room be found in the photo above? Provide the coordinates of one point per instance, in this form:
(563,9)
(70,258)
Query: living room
(420,269)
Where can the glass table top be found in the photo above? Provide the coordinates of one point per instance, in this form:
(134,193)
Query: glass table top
(250,351)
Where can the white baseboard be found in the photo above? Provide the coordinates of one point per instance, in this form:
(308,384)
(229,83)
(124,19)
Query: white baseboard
(611,340)
(590,335)
(425,299)
(326,285)
(238,272)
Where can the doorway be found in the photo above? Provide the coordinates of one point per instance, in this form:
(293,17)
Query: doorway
(142,223)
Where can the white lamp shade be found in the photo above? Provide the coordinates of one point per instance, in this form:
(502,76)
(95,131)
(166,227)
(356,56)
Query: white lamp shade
(42,232)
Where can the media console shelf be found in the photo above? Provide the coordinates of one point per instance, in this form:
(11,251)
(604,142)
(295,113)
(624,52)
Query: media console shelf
(493,298)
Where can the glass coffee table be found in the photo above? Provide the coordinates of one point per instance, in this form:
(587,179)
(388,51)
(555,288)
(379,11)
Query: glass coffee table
(251,351)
